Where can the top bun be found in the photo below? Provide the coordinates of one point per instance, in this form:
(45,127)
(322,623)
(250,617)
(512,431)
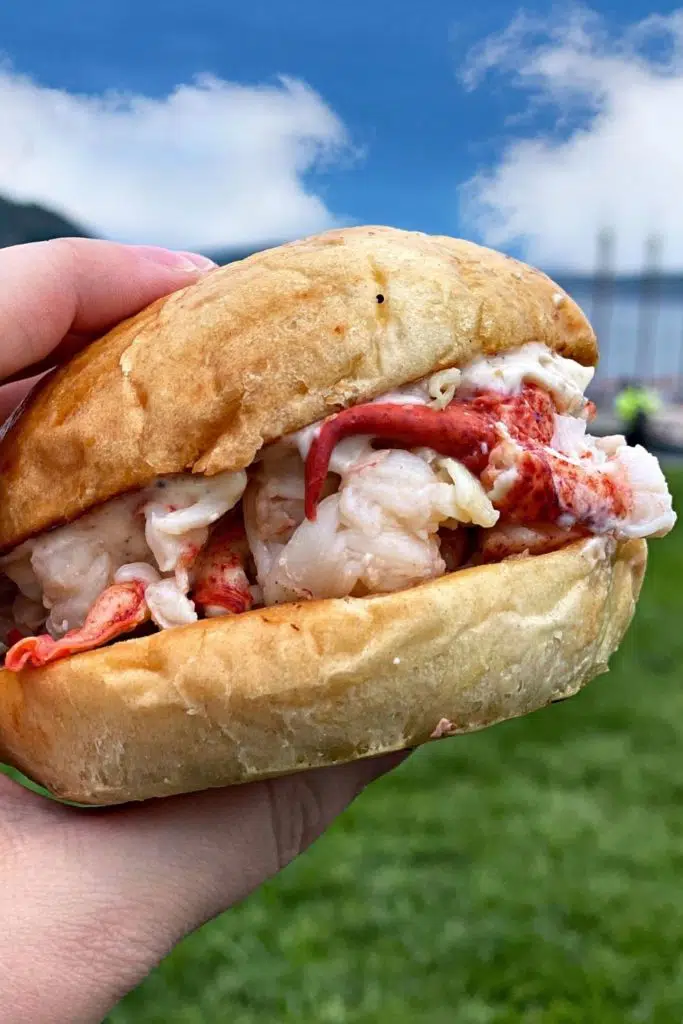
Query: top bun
(204,377)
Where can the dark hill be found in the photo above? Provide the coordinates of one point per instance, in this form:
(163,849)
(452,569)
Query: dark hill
(30,222)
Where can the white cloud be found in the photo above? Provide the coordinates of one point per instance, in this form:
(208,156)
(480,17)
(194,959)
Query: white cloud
(212,164)
(614,158)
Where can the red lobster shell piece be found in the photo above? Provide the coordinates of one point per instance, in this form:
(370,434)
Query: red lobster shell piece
(119,609)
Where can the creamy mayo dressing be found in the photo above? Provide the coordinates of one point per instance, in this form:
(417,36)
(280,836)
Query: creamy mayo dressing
(534,363)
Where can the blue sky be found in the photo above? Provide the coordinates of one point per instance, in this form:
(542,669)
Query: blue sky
(387,131)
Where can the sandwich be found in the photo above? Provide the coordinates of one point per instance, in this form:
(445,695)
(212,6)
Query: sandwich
(337,499)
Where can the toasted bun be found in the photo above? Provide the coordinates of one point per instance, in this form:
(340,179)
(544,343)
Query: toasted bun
(203,378)
(297,686)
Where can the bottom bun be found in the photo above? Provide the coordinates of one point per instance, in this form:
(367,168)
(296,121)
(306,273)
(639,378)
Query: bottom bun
(286,688)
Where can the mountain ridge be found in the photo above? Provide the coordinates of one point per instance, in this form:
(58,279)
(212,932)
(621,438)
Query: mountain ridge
(31,222)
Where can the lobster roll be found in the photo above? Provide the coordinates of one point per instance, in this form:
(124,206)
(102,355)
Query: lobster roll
(336,499)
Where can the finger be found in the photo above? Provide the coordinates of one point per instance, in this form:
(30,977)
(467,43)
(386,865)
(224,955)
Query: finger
(60,354)
(220,845)
(78,287)
(12,395)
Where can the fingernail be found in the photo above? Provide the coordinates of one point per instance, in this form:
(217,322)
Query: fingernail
(186,262)
(202,263)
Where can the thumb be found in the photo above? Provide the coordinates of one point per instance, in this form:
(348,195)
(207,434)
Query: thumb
(76,289)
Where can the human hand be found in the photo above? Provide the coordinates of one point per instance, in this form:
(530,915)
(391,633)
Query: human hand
(90,901)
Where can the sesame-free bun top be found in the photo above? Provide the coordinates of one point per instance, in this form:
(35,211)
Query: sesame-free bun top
(204,377)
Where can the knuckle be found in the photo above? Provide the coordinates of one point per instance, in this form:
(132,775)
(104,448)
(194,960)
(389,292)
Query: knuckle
(297,815)
(61,248)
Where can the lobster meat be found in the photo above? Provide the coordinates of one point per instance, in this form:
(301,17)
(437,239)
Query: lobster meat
(505,440)
(221,585)
(119,609)
(512,540)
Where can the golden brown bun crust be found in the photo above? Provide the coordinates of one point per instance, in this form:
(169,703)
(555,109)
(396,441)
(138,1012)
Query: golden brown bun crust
(286,688)
(263,347)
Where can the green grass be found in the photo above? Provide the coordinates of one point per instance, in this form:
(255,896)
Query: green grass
(532,872)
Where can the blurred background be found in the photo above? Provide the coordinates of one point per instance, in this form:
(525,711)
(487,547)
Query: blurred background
(532,872)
